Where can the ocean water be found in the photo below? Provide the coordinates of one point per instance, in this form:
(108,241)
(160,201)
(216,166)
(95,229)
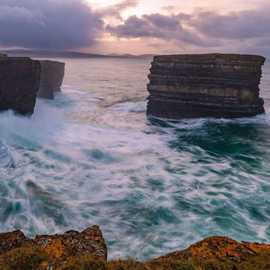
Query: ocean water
(154,186)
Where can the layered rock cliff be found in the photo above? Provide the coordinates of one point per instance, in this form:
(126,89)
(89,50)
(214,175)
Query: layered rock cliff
(19,84)
(52,75)
(87,251)
(23,79)
(210,85)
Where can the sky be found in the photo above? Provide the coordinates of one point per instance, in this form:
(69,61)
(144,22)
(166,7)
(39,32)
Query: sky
(137,26)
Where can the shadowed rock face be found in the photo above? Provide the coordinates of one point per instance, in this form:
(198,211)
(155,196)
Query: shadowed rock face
(19,84)
(210,85)
(52,75)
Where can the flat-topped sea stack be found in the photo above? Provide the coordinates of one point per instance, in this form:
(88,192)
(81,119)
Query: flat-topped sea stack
(52,75)
(207,85)
(19,84)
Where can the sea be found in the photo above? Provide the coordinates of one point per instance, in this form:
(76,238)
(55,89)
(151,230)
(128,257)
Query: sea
(91,156)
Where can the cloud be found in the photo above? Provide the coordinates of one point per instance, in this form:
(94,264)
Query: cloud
(117,9)
(242,31)
(48,24)
(235,25)
(166,27)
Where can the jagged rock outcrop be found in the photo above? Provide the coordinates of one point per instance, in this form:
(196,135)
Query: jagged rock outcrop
(210,85)
(51,252)
(87,250)
(217,253)
(52,75)
(19,84)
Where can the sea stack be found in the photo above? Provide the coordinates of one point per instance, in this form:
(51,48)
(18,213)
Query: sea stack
(52,75)
(19,84)
(208,85)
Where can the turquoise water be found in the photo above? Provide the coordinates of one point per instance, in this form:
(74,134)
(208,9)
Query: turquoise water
(92,157)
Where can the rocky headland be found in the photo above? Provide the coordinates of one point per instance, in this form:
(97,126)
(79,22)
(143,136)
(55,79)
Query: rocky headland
(87,250)
(23,79)
(208,85)
(19,84)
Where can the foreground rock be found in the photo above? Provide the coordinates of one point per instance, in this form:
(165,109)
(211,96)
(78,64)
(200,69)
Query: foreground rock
(211,85)
(217,253)
(19,84)
(52,75)
(51,252)
(87,250)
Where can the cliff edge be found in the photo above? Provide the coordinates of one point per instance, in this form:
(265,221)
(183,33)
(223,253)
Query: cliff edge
(87,250)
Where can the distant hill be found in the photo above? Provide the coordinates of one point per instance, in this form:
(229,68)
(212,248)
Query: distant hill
(69,54)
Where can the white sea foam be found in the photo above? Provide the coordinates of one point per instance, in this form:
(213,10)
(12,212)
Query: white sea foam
(153,188)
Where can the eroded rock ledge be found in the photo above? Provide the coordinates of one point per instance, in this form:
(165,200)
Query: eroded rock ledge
(209,85)
(87,251)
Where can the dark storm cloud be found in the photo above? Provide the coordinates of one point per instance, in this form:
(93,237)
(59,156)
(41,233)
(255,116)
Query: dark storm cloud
(156,26)
(47,24)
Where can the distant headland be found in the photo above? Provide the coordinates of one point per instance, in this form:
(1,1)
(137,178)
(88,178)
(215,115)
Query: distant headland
(69,54)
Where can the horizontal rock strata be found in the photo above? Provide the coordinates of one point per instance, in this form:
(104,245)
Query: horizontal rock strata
(210,85)
(19,84)
(52,75)
(87,250)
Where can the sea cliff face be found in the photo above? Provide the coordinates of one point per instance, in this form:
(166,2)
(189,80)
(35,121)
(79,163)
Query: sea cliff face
(19,84)
(22,80)
(52,76)
(210,85)
(87,250)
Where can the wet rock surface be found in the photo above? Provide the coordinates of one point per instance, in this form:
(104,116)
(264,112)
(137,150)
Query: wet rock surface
(19,84)
(52,76)
(87,250)
(210,85)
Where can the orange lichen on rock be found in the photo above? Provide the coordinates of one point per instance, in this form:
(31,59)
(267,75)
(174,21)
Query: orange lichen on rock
(87,251)
(51,252)
(220,253)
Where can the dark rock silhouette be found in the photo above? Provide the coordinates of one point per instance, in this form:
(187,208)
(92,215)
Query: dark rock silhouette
(52,75)
(210,85)
(23,79)
(19,84)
